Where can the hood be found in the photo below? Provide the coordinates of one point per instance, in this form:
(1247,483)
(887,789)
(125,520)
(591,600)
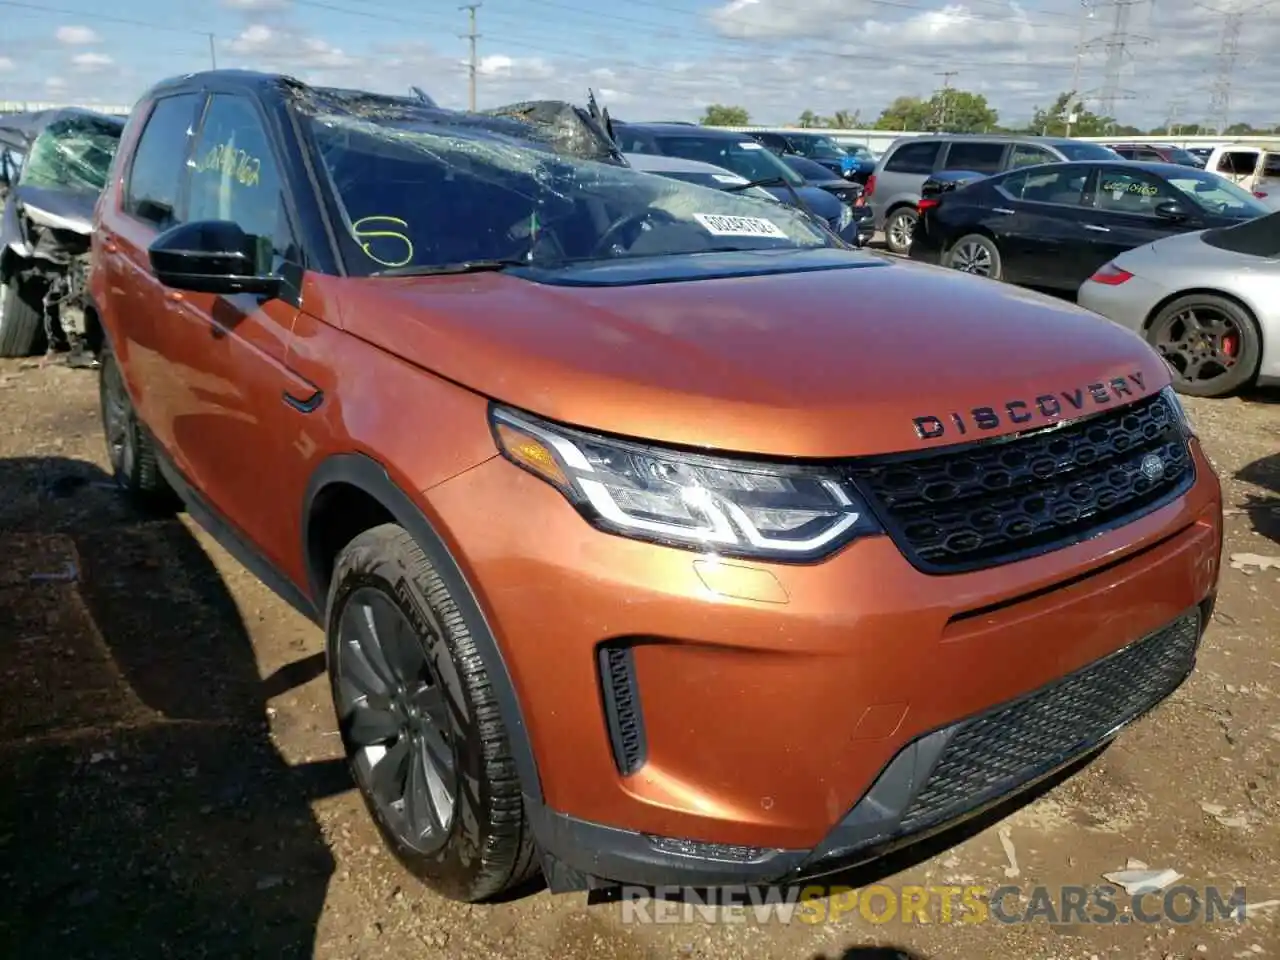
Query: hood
(840,355)
(819,201)
(61,209)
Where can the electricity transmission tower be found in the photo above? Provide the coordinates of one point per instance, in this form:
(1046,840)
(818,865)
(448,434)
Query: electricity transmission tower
(1233,18)
(1118,44)
(944,101)
(472,36)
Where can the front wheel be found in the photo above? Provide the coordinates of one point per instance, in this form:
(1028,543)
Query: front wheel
(1211,344)
(899,229)
(976,254)
(419,721)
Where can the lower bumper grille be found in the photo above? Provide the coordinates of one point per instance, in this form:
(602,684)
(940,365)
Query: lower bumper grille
(991,755)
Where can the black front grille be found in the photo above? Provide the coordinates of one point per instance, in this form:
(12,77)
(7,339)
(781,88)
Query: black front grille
(991,755)
(991,502)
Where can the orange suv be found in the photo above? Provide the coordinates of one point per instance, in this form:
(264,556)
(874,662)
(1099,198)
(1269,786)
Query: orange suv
(656,537)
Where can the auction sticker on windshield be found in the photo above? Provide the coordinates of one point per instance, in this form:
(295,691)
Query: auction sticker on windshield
(723,225)
(751,145)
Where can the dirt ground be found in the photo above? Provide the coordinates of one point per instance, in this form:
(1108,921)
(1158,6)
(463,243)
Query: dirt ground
(172,784)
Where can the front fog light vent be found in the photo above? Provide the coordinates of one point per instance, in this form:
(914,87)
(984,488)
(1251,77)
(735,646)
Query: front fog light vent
(622,707)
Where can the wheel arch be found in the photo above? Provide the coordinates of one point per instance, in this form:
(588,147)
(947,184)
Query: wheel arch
(354,490)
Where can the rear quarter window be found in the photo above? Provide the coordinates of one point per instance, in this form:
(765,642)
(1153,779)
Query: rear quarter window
(976,156)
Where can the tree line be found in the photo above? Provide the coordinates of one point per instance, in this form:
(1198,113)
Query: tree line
(961,111)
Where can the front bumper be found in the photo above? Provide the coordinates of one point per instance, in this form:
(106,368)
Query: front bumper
(791,718)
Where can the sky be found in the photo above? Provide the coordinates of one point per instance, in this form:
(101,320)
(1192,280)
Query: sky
(658,59)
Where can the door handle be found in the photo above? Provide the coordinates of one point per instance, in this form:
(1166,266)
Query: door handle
(1097,229)
(1001,210)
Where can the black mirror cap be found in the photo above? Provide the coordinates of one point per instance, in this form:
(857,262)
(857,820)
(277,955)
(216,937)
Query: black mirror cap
(1171,210)
(210,256)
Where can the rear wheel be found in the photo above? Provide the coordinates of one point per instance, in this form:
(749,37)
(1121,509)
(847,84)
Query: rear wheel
(133,460)
(419,722)
(899,228)
(21,320)
(976,254)
(1212,344)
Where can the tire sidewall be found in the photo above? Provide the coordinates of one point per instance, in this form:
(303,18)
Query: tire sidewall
(124,470)
(904,213)
(1250,344)
(453,865)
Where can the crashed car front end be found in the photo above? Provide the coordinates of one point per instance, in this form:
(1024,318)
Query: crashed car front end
(46,228)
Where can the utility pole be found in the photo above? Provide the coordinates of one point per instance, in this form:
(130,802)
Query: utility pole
(213,53)
(1176,108)
(472,36)
(940,120)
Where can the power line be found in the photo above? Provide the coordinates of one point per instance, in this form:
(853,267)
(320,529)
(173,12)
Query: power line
(471,36)
(1233,18)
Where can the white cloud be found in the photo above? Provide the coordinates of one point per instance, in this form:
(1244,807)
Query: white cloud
(7,65)
(77,36)
(55,84)
(778,58)
(89,62)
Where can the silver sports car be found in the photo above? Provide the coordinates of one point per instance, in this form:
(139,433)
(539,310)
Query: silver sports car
(1208,301)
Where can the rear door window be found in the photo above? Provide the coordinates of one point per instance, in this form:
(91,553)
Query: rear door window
(977,156)
(160,161)
(1062,187)
(1239,163)
(916,157)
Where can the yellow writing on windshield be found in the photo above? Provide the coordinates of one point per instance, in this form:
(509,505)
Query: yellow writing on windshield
(371,230)
(235,164)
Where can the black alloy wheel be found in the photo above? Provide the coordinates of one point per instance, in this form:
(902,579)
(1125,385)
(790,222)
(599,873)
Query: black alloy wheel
(1211,344)
(395,720)
(134,465)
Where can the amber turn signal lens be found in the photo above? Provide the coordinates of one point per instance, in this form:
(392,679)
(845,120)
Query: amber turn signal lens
(531,453)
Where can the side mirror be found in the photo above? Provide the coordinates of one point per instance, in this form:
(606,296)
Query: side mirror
(210,256)
(1171,210)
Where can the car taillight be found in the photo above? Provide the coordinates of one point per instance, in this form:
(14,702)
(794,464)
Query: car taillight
(927,203)
(871,186)
(1111,275)
(1260,194)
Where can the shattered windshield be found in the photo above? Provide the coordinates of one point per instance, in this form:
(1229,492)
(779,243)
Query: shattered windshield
(416,196)
(73,153)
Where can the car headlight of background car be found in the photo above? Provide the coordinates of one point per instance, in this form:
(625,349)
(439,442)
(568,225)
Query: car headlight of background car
(714,504)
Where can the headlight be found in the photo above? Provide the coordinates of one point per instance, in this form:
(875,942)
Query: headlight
(714,504)
(1179,411)
(846,217)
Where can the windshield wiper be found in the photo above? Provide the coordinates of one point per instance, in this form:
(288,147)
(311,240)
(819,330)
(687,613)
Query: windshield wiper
(462,266)
(795,196)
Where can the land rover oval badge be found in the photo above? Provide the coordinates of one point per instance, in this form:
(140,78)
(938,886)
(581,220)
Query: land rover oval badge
(1152,467)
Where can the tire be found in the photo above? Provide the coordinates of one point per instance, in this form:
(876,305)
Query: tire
(134,465)
(977,254)
(1227,343)
(22,331)
(392,625)
(898,229)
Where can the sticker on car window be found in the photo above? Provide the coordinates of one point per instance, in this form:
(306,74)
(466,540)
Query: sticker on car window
(727,178)
(723,225)
(751,145)
(1118,188)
